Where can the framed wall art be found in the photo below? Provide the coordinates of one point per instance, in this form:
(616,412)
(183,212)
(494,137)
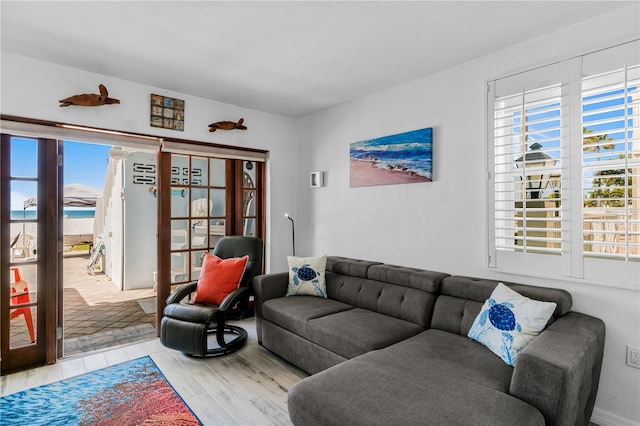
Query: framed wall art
(167,113)
(396,159)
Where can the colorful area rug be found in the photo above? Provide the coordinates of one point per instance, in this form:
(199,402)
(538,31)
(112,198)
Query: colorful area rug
(131,393)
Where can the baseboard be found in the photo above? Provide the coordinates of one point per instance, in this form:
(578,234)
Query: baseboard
(605,418)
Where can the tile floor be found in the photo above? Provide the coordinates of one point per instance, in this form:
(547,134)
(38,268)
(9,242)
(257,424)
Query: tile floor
(81,318)
(93,307)
(247,387)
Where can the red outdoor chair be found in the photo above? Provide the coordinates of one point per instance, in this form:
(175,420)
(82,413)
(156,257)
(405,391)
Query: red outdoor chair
(20,295)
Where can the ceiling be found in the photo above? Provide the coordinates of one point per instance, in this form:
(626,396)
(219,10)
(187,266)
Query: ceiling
(287,58)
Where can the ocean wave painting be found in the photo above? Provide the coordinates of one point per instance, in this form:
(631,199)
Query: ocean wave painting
(131,393)
(389,160)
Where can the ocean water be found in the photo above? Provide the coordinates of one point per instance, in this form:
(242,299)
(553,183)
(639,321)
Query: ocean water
(31,214)
(410,151)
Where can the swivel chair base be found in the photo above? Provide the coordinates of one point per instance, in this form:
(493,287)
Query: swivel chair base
(225,348)
(192,339)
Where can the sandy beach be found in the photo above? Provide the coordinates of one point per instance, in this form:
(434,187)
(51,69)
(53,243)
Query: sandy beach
(71,226)
(365,173)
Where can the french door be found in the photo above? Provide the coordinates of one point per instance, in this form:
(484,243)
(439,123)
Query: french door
(201,200)
(30,272)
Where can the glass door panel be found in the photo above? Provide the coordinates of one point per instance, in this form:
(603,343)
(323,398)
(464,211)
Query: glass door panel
(196,263)
(179,249)
(200,203)
(198,212)
(249,198)
(217,173)
(179,170)
(179,201)
(23,324)
(199,171)
(216,231)
(217,179)
(199,234)
(29,181)
(218,203)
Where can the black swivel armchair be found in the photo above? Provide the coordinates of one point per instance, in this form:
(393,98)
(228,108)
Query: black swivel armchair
(187,325)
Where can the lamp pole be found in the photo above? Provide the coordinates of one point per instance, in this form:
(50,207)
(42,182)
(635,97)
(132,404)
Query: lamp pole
(293,232)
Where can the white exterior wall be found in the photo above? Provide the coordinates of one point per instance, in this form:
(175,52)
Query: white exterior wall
(442,225)
(112,234)
(140,211)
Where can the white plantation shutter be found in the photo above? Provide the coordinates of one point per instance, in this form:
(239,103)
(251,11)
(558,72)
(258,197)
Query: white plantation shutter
(527,167)
(611,163)
(525,130)
(564,169)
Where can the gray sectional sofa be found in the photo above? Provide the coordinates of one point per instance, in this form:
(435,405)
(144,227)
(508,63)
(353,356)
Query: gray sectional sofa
(389,346)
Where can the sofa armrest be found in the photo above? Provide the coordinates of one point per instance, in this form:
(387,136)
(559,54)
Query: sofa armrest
(270,286)
(559,371)
(265,287)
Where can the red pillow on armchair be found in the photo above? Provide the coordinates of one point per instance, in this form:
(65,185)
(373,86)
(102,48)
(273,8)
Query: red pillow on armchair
(218,278)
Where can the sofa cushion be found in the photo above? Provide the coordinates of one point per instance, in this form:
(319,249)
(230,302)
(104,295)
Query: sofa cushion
(357,331)
(397,301)
(306,276)
(479,290)
(420,279)
(447,353)
(443,378)
(508,321)
(297,350)
(348,266)
(293,313)
(454,315)
(462,297)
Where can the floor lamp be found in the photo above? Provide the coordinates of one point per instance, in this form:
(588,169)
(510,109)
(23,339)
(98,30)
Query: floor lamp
(293,232)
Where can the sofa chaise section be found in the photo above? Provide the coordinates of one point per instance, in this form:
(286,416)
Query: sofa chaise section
(433,378)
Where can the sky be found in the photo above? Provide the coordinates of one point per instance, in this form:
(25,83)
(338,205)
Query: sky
(602,112)
(83,163)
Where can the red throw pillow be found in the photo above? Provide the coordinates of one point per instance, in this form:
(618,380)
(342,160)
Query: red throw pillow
(218,278)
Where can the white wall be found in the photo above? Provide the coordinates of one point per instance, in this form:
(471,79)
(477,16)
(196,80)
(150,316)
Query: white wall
(32,88)
(442,225)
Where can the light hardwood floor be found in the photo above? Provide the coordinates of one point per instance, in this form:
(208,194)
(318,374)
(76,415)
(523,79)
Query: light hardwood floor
(248,387)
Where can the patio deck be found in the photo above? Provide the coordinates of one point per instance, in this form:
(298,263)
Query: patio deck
(96,314)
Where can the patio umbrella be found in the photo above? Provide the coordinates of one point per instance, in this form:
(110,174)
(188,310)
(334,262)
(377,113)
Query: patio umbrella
(75,195)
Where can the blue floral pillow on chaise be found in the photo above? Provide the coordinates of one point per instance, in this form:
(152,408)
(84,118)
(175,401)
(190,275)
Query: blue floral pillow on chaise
(306,276)
(509,321)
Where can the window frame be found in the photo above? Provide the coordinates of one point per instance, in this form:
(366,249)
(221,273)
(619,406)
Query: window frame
(572,264)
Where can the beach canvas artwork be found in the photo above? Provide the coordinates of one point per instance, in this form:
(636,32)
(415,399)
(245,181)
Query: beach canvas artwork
(390,160)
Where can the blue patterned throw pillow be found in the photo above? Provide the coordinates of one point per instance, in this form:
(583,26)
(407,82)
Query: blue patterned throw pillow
(306,276)
(509,321)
